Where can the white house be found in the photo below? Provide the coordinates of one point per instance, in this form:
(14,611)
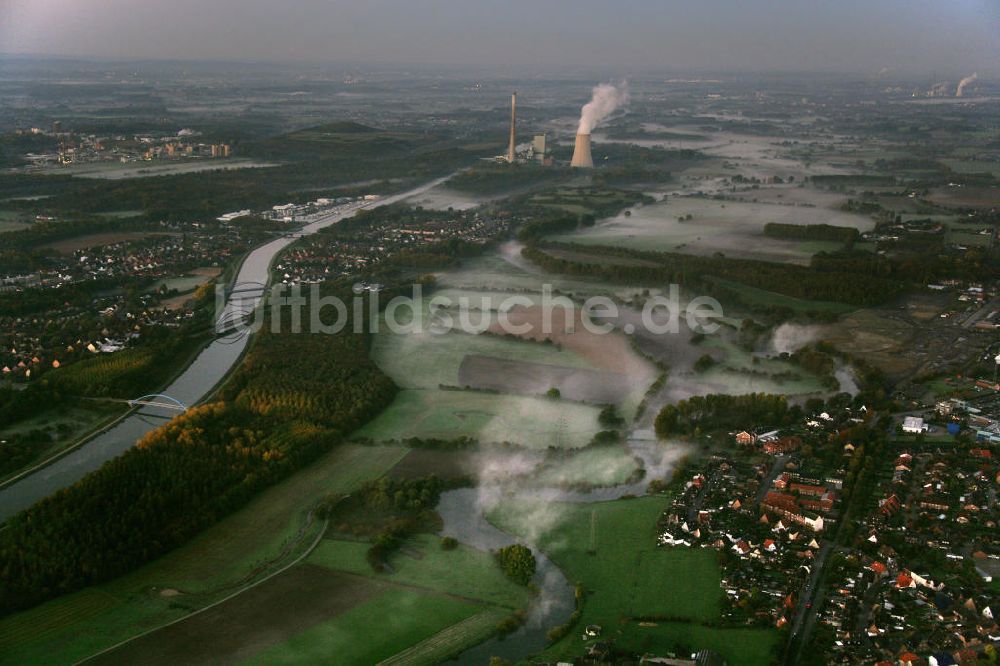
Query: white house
(914,424)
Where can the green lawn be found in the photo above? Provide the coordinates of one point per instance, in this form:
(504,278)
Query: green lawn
(593,466)
(428,361)
(444,645)
(207,568)
(14,220)
(439,602)
(738,647)
(12,225)
(399,617)
(464,571)
(761,297)
(529,421)
(817,246)
(627,576)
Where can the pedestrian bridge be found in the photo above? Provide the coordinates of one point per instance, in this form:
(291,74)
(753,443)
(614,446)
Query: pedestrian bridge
(158,400)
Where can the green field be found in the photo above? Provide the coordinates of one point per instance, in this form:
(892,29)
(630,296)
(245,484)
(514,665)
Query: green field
(593,466)
(14,217)
(12,224)
(442,647)
(464,571)
(400,618)
(734,228)
(182,284)
(493,271)
(438,602)
(626,575)
(428,361)
(583,201)
(760,297)
(739,372)
(270,531)
(533,422)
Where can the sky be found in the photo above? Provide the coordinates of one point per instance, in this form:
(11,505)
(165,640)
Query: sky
(922,37)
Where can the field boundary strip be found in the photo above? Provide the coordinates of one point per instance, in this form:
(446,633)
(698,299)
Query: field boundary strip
(299,559)
(446,642)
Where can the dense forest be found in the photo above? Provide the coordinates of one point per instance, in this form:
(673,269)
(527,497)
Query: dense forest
(503,178)
(690,270)
(387,511)
(825,232)
(553,223)
(918,267)
(627,164)
(708,413)
(290,401)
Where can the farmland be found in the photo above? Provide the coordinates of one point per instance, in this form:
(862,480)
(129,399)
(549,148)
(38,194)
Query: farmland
(257,539)
(432,604)
(117,171)
(331,609)
(12,221)
(704,226)
(509,378)
(422,563)
(405,620)
(533,422)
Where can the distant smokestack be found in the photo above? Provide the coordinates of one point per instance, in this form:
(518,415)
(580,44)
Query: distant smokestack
(513,128)
(581,154)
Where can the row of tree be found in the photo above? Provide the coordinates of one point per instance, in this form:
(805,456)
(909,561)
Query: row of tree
(716,412)
(287,404)
(825,232)
(801,282)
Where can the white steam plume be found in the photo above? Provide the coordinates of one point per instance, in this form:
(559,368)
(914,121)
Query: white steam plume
(964,82)
(606,99)
(789,338)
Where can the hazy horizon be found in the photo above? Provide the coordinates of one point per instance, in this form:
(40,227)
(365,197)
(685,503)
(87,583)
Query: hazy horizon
(891,37)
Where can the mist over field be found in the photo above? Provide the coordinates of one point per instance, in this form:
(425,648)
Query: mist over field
(455,332)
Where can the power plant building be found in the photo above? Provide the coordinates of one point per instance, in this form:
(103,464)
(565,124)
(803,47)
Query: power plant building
(538,147)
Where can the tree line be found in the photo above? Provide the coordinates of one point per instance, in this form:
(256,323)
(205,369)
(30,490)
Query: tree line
(825,232)
(791,280)
(713,412)
(289,402)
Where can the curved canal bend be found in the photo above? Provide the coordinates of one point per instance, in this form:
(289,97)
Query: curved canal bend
(463,517)
(192,386)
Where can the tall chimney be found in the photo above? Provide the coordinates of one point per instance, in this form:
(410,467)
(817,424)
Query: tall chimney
(581,155)
(513,128)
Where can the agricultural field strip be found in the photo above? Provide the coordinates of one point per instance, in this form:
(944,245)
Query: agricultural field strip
(283,569)
(446,642)
(98,601)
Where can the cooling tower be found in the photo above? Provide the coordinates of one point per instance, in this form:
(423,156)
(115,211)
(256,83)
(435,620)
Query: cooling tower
(581,155)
